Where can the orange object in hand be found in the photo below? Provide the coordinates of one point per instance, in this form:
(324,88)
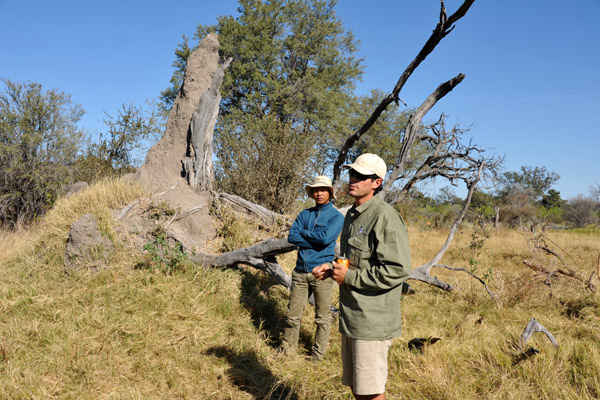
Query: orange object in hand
(343,261)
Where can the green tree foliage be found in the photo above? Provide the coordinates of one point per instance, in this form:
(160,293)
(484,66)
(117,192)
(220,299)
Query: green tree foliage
(482,201)
(265,169)
(39,140)
(552,200)
(482,206)
(533,180)
(419,208)
(525,194)
(119,150)
(385,135)
(290,81)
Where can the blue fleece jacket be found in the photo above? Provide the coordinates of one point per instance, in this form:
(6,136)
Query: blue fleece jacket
(315,231)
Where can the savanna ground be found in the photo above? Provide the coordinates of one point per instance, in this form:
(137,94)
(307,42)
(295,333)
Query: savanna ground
(191,333)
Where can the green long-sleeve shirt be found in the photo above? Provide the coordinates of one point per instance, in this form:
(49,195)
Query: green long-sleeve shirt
(375,240)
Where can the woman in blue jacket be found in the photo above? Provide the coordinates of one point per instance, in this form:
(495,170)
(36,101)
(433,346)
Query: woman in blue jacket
(314,231)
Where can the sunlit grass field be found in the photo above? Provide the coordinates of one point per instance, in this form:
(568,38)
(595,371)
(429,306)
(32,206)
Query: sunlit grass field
(126,333)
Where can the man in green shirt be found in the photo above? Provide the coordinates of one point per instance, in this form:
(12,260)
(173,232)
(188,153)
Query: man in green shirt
(375,241)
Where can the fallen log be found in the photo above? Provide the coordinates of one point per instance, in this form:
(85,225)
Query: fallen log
(261,256)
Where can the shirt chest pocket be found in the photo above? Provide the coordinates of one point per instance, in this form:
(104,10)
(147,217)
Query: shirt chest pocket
(358,249)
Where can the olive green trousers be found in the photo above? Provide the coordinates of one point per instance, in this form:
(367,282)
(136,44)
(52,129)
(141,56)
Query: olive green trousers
(303,284)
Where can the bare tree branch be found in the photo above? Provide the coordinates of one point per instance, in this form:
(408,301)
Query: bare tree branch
(447,157)
(443,28)
(542,265)
(423,272)
(262,250)
(128,208)
(412,128)
(426,268)
(421,276)
(184,214)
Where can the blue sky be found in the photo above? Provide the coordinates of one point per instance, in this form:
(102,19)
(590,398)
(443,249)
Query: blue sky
(531,92)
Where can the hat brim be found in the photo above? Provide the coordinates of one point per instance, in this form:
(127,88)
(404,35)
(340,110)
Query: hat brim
(360,169)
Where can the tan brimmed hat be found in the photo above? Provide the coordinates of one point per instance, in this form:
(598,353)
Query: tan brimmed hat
(368,164)
(320,181)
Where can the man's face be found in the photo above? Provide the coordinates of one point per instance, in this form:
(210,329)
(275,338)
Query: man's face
(362,186)
(321,195)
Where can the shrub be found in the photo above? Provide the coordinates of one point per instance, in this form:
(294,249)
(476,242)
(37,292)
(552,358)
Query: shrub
(39,139)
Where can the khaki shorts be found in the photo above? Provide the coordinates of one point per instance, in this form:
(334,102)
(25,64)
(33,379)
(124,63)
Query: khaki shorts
(365,365)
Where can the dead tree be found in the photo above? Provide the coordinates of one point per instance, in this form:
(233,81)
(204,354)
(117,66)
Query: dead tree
(423,272)
(443,28)
(447,157)
(198,165)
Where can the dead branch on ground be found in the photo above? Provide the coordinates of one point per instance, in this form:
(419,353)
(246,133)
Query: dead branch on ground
(268,216)
(261,256)
(534,326)
(539,247)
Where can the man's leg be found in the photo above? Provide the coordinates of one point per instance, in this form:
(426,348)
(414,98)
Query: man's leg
(298,299)
(322,291)
(365,367)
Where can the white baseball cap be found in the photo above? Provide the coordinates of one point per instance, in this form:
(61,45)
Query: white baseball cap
(368,164)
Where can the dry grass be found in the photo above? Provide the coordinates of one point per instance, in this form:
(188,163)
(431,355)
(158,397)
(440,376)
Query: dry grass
(212,334)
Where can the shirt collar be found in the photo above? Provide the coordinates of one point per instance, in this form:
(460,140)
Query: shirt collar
(365,206)
(324,206)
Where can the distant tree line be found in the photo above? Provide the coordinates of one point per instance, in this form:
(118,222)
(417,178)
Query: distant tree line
(520,199)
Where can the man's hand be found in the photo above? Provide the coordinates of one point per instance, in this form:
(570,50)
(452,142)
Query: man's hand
(339,273)
(322,272)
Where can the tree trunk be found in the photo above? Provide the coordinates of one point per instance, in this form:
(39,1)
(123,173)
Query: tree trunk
(412,130)
(497,217)
(198,163)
